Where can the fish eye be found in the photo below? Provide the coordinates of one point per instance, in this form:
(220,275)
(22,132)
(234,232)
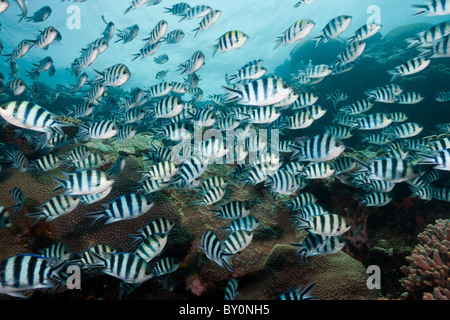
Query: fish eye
(337,144)
(4,107)
(108,179)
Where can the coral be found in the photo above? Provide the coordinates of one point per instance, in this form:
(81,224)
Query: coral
(429,263)
(337,276)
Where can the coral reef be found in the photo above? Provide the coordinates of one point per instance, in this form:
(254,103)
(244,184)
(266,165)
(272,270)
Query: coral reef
(429,264)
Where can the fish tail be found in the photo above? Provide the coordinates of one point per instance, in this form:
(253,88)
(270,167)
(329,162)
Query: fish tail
(128,10)
(96,215)
(232,94)
(422,9)
(39,216)
(60,184)
(16,208)
(319,40)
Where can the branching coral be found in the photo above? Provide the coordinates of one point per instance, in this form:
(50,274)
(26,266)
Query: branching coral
(430,263)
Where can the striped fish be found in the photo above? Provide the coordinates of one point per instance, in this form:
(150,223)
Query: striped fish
(334,28)
(168,107)
(208,20)
(159,90)
(376,138)
(374,121)
(79,153)
(179,9)
(352,52)
(81,110)
(300,120)
(230,40)
(326,224)
(299,293)
(310,210)
(212,247)
(19,51)
(5,218)
(303,3)
(89,258)
(231,290)
(366,31)
(161,170)
(151,246)
(17,159)
(58,250)
(212,182)
(304,100)
(174,36)
(440,158)
(383,94)
(135,4)
(442,194)
(283,182)
(232,210)
(87,58)
(101,130)
(125,133)
(390,169)
(46,37)
(440,49)
(128,267)
(193,64)
(159,225)
(430,35)
(316,111)
(27,115)
(405,130)
(357,107)
(165,266)
(161,74)
(340,132)
(83,182)
(411,97)
(322,147)
(161,59)
(343,164)
(197,11)
(410,67)
(128,34)
(38,16)
(24,272)
(157,32)
(237,241)
(296,32)
(246,74)
(379,186)
(55,207)
(17,196)
(93,198)
(434,8)
(311,244)
(148,50)
(125,207)
(92,161)
(211,196)
(114,76)
(260,92)
(442,96)
(248,223)
(376,199)
(423,193)
(440,144)
(300,201)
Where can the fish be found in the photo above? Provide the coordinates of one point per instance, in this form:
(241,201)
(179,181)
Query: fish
(376,199)
(165,266)
(390,169)
(248,223)
(232,210)
(174,36)
(303,3)
(333,28)
(329,224)
(310,245)
(39,16)
(20,50)
(260,92)
(365,32)
(296,32)
(125,207)
(237,241)
(212,247)
(128,34)
(47,37)
(410,67)
(6,220)
(4,4)
(25,272)
(58,250)
(161,59)
(104,129)
(430,35)
(151,246)
(55,207)
(211,196)
(178,9)
(197,11)
(207,21)
(17,196)
(83,182)
(157,32)
(322,147)
(231,290)
(86,59)
(114,76)
(230,40)
(159,225)
(135,4)
(128,267)
(27,115)
(434,8)
(352,52)
(299,293)
(440,158)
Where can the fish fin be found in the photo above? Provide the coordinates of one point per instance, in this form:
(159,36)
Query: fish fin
(97,216)
(60,184)
(232,94)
